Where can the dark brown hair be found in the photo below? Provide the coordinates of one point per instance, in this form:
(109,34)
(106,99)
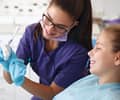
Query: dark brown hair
(81,11)
(114,32)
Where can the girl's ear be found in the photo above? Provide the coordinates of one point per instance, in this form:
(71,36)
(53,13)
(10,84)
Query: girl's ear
(117,59)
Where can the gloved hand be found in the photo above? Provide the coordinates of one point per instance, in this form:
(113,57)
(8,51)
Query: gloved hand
(6,54)
(12,64)
(17,71)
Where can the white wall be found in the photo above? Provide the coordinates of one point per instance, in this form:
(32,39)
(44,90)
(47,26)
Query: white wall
(106,8)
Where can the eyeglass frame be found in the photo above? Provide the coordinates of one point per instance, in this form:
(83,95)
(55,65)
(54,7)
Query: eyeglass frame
(57,27)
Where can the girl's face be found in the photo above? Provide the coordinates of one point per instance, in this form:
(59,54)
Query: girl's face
(102,56)
(55,22)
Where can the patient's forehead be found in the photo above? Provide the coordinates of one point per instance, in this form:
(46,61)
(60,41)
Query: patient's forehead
(107,35)
(112,34)
(104,39)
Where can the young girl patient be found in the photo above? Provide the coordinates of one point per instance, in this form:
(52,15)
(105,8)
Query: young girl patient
(104,81)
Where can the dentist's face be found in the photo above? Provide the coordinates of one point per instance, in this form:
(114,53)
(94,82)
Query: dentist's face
(55,22)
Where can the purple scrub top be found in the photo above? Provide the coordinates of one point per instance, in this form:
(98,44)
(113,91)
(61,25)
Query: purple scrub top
(63,66)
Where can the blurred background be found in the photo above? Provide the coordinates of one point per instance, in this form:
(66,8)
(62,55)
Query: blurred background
(15,15)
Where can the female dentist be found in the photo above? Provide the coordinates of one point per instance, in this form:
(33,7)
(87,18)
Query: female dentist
(56,48)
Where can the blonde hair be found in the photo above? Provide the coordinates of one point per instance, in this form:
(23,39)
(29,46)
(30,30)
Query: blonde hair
(114,31)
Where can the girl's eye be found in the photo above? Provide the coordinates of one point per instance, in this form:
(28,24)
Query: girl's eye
(97,48)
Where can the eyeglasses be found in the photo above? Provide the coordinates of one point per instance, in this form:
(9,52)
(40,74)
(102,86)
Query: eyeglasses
(58,27)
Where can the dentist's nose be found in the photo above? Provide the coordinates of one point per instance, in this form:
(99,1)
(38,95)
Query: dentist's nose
(50,28)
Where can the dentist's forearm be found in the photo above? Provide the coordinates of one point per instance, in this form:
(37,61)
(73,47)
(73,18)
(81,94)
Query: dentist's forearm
(40,90)
(7,77)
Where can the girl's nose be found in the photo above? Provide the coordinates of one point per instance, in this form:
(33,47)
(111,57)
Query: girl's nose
(90,53)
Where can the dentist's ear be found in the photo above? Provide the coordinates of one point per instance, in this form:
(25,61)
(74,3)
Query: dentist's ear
(117,59)
(76,23)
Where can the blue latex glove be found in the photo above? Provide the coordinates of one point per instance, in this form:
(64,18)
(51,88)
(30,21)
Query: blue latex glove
(6,54)
(17,71)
